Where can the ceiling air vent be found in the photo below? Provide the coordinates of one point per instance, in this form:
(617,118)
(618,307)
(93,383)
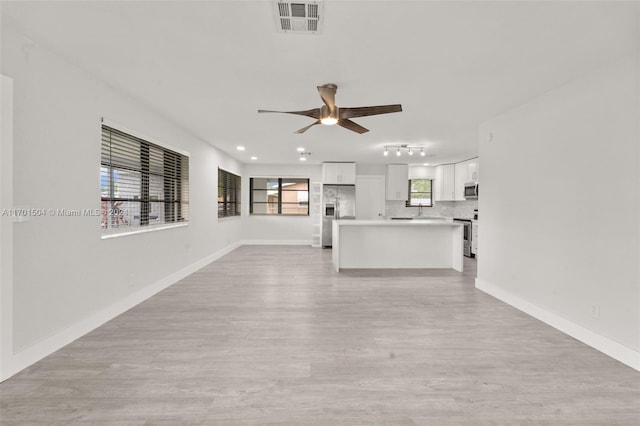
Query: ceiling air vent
(298,17)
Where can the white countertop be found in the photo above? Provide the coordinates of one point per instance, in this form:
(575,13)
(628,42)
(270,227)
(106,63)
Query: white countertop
(389,222)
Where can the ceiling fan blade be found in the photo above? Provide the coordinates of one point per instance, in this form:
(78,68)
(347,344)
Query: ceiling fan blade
(313,113)
(304,129)
(369,110)
(328,95)
(354,127)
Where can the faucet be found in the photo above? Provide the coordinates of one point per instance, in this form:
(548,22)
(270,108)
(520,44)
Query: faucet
(419,209)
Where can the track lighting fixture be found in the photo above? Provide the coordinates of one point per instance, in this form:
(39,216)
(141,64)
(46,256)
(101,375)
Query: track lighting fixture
(399,148)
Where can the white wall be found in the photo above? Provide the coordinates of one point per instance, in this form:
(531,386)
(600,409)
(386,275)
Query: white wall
(6,224)
(68,280)
(559,230)
(276,229)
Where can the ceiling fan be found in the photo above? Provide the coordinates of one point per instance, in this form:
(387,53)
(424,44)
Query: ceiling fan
(330,114)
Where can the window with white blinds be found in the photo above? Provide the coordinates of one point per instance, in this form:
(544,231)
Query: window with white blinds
(142,184)
(229,194)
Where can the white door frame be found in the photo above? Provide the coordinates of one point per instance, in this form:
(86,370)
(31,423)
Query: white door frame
(6,228)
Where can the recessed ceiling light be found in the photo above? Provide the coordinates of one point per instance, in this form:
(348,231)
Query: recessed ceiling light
(240,148)
(303,158)
(426,164)
(300,149)
(254,158)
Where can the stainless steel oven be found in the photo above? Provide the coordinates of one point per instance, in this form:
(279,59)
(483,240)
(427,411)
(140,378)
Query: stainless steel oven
(466,243)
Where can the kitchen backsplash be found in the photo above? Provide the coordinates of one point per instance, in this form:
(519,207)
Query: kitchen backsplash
(459,209)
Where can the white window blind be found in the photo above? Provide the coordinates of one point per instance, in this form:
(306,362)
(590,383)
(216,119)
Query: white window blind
(142,184)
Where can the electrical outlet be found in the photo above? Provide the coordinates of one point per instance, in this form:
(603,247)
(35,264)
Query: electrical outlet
(595,311)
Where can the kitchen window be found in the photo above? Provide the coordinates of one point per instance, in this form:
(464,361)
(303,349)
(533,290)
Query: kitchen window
(142,184)
(229,195)
(420,193)
(279,196)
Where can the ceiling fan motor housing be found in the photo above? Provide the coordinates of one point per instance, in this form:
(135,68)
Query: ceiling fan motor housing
(328,116)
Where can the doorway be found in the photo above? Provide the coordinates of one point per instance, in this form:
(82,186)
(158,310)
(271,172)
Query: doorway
(370,197)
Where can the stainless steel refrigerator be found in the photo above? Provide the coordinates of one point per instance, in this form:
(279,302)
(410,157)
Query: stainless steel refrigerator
(339,202)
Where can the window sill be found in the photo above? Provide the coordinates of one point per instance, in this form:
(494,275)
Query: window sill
(108,236)
(225,218)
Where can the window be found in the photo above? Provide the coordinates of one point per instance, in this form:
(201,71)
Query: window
(419,193)
(142,184)
(228,194)
(279,196)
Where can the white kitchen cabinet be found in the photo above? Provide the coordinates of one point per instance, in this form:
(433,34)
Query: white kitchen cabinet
(461,172)
(465,171)
(445,183)
(397,183)
(473,170)
(339,173)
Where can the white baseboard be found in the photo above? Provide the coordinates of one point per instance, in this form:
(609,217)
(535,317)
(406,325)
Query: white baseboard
(613,349)
(276,242)
(21,360)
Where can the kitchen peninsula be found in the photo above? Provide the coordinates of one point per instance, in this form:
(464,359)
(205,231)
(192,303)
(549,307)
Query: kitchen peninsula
(387,244)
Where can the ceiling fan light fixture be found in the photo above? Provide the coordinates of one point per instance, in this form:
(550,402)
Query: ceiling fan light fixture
(398,152)
(386,152)
(328,116)
(329,121)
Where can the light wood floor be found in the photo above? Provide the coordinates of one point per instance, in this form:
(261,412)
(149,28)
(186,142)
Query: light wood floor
(272,335)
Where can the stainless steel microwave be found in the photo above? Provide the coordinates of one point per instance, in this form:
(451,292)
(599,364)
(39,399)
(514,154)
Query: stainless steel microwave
(471,191)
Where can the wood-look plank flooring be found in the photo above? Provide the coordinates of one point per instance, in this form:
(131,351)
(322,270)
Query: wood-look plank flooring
(272,335)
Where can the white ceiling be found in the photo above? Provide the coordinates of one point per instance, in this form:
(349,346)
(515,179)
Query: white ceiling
(209,65)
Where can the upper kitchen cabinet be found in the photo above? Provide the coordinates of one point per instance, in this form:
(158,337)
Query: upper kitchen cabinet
(444,185)
(397,183)
(465,171)
(473,170)
(339,173)
(461,171)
